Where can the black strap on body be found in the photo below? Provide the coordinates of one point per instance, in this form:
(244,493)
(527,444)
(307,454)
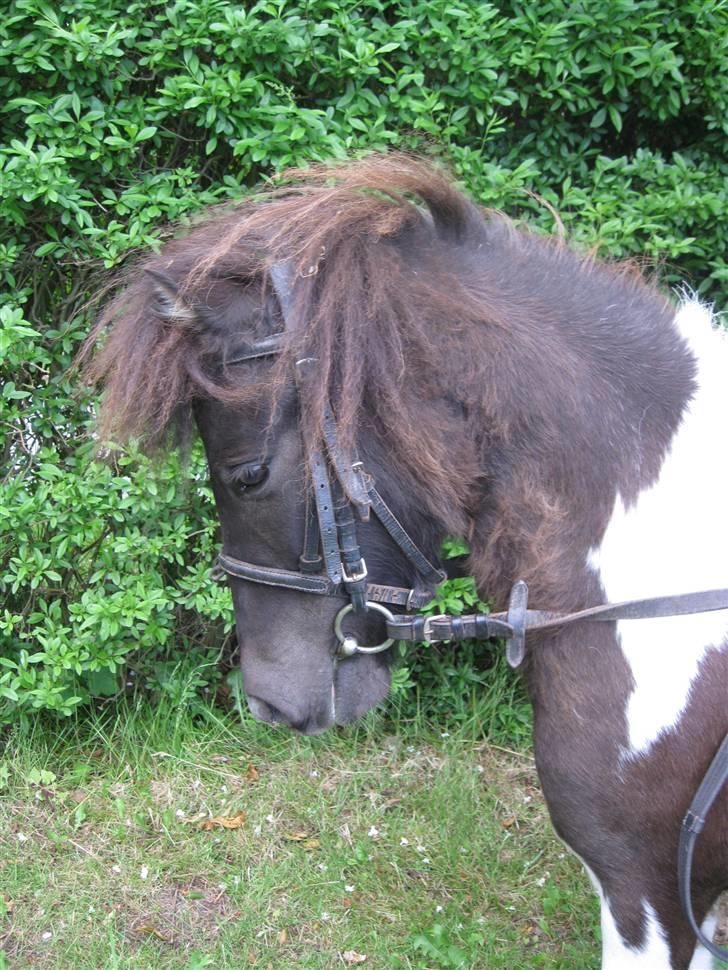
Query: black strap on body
(692,825)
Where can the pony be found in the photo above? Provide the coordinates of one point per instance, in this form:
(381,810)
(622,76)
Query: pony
(364,329)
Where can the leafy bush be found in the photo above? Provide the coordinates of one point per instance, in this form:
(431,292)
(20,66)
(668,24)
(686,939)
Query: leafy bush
(121,118)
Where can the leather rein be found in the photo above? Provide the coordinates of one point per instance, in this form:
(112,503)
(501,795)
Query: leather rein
(331,564)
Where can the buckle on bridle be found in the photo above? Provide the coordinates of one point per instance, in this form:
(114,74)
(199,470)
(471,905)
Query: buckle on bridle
(429,620)
(359,574)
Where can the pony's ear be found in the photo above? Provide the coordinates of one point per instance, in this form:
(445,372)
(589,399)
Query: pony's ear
(170,304)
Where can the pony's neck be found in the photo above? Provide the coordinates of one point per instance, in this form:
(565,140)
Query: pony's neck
(599,434)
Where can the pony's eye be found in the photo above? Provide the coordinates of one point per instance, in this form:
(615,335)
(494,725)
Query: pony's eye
(249,475)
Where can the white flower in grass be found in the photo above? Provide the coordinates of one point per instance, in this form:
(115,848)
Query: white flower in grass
(445,734)
(22,837)
(438,909)
(404,841)
(425,861)
(179,813)
(421,849)
(116,869)
(349,888)
(373,832)
(47,935)
(325,917)
(323,867)
(144,872)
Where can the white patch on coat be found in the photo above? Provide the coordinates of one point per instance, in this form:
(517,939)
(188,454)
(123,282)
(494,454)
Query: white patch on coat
(672,540)
(654,954)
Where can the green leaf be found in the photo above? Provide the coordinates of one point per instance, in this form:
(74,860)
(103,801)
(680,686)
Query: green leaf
(103,682)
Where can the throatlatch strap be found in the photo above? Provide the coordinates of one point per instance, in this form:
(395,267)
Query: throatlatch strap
(430,573)
(692,825)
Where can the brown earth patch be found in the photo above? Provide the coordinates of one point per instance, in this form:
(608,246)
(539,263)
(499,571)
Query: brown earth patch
(179,914)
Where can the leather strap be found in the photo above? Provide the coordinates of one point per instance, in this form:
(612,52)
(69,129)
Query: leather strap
(473,625)
(283,277)
(411,599)
(433,629)
(267,347)
(310,561)
(692,825)
(270,576)
(680,604)
(348,469)
(354,569)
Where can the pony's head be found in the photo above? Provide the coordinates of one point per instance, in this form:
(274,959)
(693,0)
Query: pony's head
(378,263)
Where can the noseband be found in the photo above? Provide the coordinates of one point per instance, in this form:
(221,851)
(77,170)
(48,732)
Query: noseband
(331,563)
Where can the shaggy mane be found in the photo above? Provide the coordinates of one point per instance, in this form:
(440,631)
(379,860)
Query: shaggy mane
(407,294)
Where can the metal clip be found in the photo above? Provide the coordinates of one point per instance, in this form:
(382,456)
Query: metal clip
(349,645)
(517,607)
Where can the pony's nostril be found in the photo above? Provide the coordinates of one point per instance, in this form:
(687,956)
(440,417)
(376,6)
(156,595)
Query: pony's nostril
(264,711)
(308,724)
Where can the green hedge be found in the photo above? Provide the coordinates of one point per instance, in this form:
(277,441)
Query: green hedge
(119,118)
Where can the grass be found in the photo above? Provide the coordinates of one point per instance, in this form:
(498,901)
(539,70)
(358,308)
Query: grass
(363,847)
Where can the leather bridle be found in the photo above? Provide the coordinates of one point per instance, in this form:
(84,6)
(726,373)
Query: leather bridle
(341,491)
(331,564)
